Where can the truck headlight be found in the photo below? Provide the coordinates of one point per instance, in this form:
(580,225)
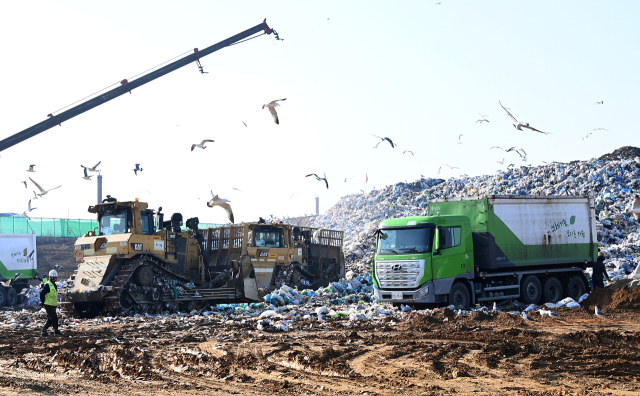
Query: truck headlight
(423,292)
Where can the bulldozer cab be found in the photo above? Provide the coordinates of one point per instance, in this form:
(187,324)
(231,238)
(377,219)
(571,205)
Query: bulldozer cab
(278,253)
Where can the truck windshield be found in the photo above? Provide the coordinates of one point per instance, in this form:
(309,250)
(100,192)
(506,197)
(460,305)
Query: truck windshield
(111,224)
(268,236)
(403,241)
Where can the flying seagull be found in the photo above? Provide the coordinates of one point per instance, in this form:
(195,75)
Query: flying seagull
(482,120)
(586,136)
(30,208)
(57,267)
(245,124)
(524,157)
(24,214)
(318,178)
(272,109)
(86,176)
(293,194)
(237,189)
(451,167)
(31,168)
(600,129)
(459,136)
(408,151)
(25,183)
(510,149)
(345,179)
(393,145)
(377,144)
(439,169)
(600,102)
(31,255)
(501,162)
(223,203)
(201,145)
(519,125)
(600,313)
(137,168)
(496,147)
(91,169)
(43,191)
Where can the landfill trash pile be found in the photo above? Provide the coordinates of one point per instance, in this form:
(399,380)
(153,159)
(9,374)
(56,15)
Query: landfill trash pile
(612,183)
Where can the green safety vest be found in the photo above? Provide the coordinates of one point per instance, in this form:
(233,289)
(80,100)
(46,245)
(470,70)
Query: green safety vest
(51,298)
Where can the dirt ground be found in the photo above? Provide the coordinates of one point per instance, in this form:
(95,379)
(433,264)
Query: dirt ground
(483,353)
(54,251)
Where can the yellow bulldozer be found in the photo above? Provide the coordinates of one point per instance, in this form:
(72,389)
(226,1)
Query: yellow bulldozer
(136,262)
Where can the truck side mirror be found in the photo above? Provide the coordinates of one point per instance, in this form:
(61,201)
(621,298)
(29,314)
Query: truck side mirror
(436,242)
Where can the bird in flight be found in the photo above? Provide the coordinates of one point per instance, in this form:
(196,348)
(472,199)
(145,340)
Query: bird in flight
(451,167)
(91,169)
(377,144)
(293,194)
(24,214)
(272,109)
(237,189)
(318,178)
(496,147)
(393,145)
(31,168)
(30,208)
(35,196)
(345,179)
(25,183)
(586,136)
(600,102)
(408,151)
(136,169)
(501,162)
(459,136)
(600,129)
(482,118)
(519,125)
(510,149)
(201,145)
(86,176)
(524,157)
(224,204)
(43,191)
(245,124)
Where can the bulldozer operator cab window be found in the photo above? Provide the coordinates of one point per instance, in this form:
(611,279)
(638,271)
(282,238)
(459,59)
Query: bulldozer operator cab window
(404,240)
(269,237)
(111,224)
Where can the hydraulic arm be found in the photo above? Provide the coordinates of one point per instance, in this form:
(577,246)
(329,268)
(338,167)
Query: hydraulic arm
(128,86)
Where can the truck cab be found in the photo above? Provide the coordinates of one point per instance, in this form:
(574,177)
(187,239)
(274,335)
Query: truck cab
(418,258)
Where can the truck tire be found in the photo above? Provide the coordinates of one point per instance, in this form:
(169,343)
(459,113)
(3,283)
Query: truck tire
(12,297)
(3,296)
(552,290)
(575,287)
(459,296)
(531,289)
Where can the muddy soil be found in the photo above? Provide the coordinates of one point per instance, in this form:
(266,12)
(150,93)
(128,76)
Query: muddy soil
(483,353)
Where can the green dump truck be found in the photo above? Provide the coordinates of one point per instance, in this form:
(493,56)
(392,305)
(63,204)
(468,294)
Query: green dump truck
(492,248)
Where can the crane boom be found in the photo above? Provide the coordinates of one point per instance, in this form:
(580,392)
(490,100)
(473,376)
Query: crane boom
(126,86)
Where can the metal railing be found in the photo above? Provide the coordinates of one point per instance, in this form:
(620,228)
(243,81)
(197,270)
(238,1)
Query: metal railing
(57,228)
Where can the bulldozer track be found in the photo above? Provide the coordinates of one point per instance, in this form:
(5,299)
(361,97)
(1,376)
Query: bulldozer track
(120,282)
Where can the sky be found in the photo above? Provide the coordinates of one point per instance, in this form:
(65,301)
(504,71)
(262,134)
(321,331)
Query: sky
(413,71)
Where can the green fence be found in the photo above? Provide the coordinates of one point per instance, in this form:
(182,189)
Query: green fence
(60,228)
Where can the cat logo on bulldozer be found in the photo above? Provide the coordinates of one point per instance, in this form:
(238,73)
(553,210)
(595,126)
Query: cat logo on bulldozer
(136,246)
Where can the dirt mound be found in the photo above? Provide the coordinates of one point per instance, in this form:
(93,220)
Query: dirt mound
(623,294)
(626,152)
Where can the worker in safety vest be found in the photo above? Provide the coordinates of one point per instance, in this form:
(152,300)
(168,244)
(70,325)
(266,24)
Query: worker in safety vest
(49,299)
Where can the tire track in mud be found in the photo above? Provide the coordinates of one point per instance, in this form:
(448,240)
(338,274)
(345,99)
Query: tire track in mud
(437,354)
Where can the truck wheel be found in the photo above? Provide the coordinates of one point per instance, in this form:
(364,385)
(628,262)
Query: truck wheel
(459,296)
(575,287)
(3,296)
(12,297)
(552,290)
(531,289)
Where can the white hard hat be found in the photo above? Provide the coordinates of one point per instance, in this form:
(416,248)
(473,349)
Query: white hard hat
(53,273)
